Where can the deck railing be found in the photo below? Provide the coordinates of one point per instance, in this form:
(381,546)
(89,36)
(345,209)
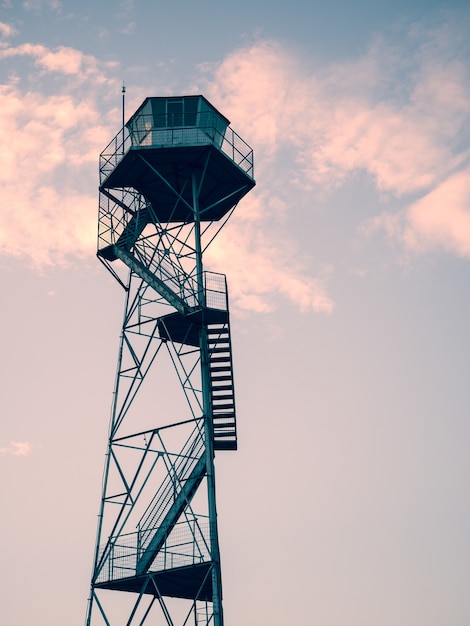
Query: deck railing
(186,545)
(148,131)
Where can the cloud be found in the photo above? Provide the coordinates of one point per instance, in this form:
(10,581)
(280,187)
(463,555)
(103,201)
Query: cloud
(442,218)
(38,5)
(399,113)
(6,30)
(62,60)
(48,157)
(438,221)
(17,448)
(56,138)
(261,268)
(129,29)
(349,116)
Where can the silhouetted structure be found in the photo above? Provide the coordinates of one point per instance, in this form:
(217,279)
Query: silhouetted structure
(169,180)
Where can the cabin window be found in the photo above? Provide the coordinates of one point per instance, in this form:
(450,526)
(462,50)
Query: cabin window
(174,112)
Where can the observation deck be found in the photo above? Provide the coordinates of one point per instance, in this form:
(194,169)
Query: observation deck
(173,150)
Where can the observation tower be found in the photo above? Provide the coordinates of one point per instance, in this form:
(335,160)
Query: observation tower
(169,181)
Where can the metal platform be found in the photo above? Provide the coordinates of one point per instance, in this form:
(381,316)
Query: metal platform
(180,582)
(161,174)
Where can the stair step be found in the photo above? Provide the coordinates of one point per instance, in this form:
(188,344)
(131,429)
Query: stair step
(223,396)
(226,445)
(220,359)
(224,406)
(221,387)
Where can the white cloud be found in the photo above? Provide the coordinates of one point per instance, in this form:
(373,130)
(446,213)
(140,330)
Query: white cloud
(39,5)
(129,29)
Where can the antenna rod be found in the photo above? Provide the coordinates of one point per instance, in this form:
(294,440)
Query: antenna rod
(123,90)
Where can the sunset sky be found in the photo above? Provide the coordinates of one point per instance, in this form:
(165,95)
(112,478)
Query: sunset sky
(347,503)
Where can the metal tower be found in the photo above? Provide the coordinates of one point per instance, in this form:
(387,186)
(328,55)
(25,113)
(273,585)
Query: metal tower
(169,181)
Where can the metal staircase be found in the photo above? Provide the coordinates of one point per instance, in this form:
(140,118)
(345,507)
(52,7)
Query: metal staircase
(185,329)
(221,386)
(171,500)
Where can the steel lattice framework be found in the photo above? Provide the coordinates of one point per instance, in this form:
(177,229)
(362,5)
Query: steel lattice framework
(169,181)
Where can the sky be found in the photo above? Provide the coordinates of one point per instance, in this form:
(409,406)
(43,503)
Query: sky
(347,503)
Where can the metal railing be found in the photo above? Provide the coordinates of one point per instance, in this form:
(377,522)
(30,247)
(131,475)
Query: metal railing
(151,131)
(178,472)
(186,545)
(215,291)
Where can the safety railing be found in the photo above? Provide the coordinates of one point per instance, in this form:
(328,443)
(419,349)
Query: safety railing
(152,131)
(114,153)
(187,544)
(215,290)
(179,471)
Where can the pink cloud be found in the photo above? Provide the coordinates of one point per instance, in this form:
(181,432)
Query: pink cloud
(400,113)
(6,30)
(48,160)
(62,60)
(312,128)
(262,271)
(52,218)
(256,86)
(336,120)
(441,220)
(17,448)
(66,60)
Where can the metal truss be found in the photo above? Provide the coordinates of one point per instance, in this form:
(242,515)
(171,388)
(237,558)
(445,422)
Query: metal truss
(155,511)
(157,557)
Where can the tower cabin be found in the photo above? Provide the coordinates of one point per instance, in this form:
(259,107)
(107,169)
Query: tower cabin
(182,156)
